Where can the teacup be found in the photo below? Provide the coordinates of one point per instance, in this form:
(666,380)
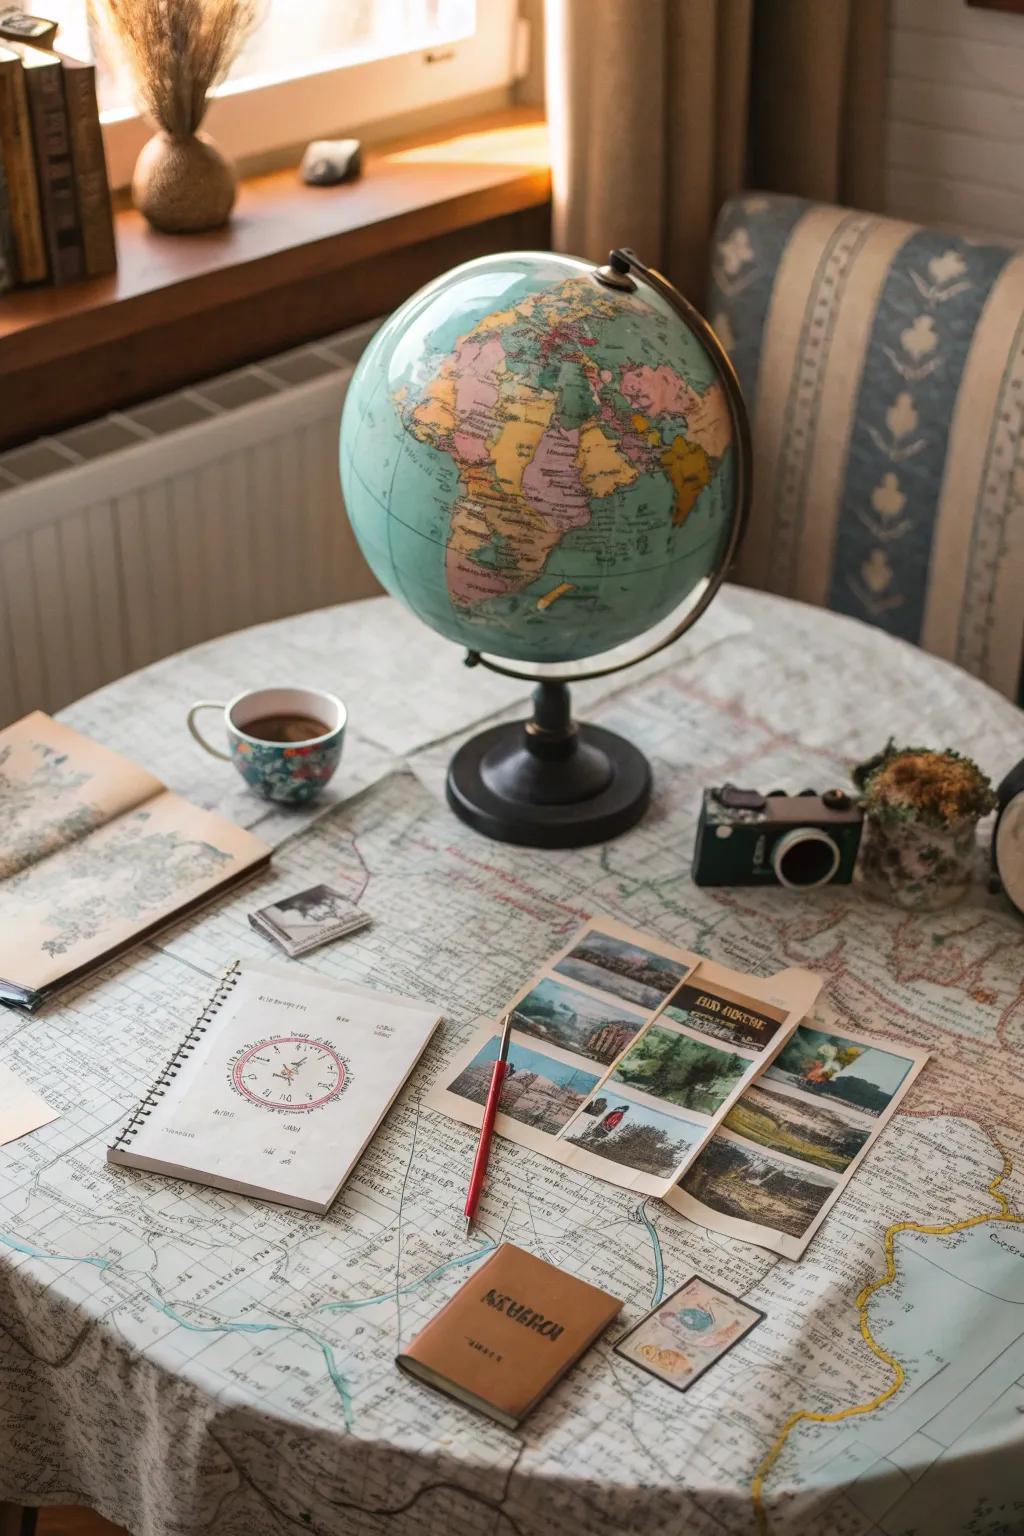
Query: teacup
(287,770)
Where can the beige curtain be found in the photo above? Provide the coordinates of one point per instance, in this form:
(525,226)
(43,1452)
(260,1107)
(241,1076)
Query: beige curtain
(660,109)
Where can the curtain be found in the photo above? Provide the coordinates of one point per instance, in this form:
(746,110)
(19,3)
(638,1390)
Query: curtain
(660,109)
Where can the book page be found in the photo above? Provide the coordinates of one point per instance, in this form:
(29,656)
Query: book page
(56,787)
(98,893)
(794,1139)
(286,1086)
(626,1054)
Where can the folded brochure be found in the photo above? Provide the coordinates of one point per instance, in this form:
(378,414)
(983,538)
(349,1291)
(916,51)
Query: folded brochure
(666,1073)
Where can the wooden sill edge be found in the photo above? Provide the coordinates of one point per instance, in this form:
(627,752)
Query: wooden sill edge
(284,232)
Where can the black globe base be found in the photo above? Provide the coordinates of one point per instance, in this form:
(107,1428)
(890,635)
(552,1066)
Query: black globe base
(548,782)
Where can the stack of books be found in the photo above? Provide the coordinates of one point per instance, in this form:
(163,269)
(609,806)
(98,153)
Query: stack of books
(56,220)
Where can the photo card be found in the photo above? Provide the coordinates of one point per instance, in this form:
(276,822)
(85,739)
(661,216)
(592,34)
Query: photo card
(539,1090)
(577,1021)
(631,971)
(309,918)
(637,1135)
(688,1332)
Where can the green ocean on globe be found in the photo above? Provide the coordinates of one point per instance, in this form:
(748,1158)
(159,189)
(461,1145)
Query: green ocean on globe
(538,466)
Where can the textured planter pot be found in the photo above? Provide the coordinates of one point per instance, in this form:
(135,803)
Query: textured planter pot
(915,866)
(184,186)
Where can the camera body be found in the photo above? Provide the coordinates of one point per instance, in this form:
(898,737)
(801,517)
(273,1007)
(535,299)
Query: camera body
(800,841)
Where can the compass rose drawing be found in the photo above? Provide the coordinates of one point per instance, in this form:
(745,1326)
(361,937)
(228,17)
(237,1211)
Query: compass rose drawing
(289,1073)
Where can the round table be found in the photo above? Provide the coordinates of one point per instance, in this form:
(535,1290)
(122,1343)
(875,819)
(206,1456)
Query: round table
(189,1361)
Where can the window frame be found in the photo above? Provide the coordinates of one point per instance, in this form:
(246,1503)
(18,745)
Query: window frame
(250,119)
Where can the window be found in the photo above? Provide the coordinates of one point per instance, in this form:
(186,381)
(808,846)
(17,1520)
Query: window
(313,68)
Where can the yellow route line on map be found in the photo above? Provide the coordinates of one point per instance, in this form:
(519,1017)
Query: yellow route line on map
(807,1415)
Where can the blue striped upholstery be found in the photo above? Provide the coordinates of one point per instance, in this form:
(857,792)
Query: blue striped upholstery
(883,365)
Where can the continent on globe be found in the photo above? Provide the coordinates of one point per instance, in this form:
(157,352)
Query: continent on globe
(534,446)
(540,466)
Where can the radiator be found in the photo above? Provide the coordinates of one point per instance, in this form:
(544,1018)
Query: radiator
(133,536)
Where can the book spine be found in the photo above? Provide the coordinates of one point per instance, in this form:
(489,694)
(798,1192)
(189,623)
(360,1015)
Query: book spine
(91,184)
(55,172)
(173,1065)
(8,264)
(20,166)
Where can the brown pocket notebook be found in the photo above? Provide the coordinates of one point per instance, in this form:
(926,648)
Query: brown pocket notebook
(509,1334)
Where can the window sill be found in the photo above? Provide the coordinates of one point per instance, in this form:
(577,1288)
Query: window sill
(295,262)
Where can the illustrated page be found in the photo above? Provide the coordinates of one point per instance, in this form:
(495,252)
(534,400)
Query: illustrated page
(91,896)
(286,1085)
(56,787)
(792,1141)
(626,1054)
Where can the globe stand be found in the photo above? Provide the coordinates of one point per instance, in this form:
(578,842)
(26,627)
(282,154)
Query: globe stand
(548,782)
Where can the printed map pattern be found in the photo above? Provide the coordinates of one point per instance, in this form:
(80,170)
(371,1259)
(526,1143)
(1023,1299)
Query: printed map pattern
(188,1361)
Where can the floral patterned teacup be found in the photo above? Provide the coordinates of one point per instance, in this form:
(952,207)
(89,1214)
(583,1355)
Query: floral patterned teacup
(288,771)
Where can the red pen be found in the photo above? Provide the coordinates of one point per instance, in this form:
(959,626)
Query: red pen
(483,1150)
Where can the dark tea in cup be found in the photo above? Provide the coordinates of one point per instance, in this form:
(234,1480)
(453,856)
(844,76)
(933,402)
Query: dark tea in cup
(286,728)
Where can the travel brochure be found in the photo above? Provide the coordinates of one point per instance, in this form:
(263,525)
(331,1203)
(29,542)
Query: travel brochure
(666,1073)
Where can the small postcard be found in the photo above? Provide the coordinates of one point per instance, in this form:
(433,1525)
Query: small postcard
(21,1108)
(308,919)
(686,1334)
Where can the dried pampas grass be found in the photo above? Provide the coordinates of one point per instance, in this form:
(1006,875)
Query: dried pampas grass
(178,50)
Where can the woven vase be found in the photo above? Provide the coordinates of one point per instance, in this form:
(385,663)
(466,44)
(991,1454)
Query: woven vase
(184,186)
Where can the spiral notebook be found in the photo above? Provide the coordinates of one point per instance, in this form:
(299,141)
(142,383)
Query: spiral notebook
(278,1087)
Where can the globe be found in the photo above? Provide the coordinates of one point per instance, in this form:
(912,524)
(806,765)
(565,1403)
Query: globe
(540,464)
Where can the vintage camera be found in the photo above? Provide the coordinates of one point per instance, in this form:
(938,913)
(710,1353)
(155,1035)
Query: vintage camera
(746,838)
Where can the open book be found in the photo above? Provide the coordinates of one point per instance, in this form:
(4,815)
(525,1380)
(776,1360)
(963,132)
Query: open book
(95,855)
(666,1073)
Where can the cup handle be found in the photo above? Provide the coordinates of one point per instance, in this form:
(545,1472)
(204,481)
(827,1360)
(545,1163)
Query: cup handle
(199,737)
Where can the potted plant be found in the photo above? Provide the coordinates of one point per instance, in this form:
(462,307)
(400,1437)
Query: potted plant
(921,814)
(177,51)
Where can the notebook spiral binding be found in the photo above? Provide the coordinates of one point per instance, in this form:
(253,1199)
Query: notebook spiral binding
(173,1064)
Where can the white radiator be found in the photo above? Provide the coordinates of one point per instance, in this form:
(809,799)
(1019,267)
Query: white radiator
(153,529)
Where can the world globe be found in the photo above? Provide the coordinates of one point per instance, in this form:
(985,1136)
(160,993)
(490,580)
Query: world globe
(540,465)
(546,460)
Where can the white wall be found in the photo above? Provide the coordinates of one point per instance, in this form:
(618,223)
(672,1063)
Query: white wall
(955,141)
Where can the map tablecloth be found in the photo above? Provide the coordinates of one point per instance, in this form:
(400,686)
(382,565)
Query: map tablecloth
(189,1361)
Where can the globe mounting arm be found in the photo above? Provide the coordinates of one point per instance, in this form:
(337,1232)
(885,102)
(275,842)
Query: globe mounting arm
(625,272)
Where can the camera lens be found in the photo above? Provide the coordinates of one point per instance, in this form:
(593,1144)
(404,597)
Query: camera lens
(804,858)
